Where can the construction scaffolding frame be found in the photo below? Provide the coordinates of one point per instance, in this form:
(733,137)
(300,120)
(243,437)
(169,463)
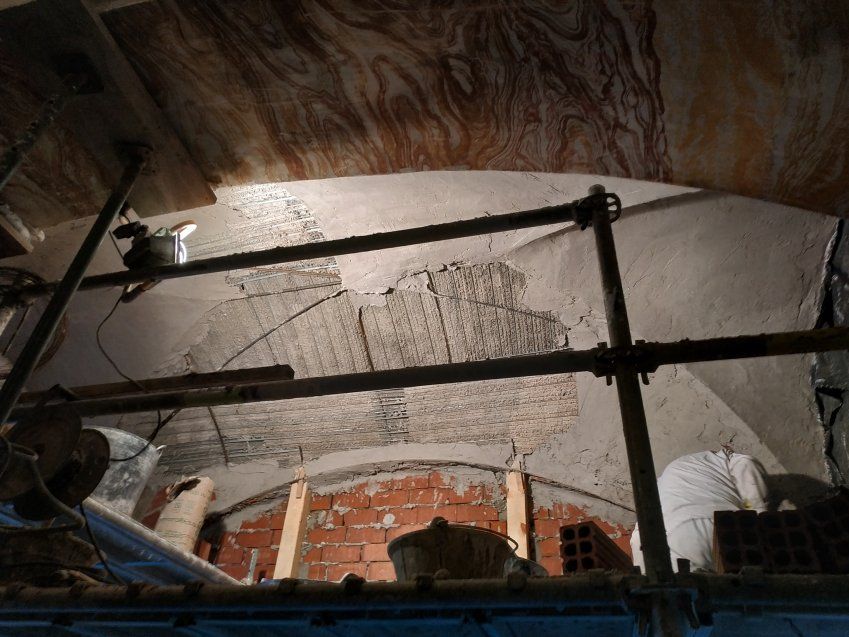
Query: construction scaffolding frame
(623,359)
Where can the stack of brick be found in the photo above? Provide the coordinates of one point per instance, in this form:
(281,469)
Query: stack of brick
(737,541)
(789,544)
(584,547)
(349,532)
(547,538)
(779,542)
(829,522)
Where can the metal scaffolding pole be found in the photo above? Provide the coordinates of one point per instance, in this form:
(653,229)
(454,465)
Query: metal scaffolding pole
(261,384)
(640,460)
(46,326)
(349,245)
(188,382)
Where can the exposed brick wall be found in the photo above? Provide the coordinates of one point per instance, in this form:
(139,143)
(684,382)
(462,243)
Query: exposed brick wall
(261,534)
(546,533)
(348,532)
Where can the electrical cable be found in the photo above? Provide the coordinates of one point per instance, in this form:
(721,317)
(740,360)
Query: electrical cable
(106,354)
(97,550)
(234,357)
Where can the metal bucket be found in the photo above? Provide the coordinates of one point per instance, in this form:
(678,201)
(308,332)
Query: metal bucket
(465,552)
(124,481)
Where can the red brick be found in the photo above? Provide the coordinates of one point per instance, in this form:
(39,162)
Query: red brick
(411,482)
(261,523)
(471,494)
(151,519)
(356,517)
(335,572)
(367,535)
(313,555)
(326,536)
(398,531)
(277,521)
(254,539)
(320,502)
(554,565)
(228,539)
(317,572)
(375,553)
(624,543)
(354,500)
(436,479)
(549,547)
(476,512)
(431,495)
(542,514)
(426,514)
(606,527)
(499,526)
(381,571)
(328,518)
(402,516)
(340,553)
(203,549)
(547,528)
(237,571)
(230,555)
(159,498)
(389,498)
(267,556)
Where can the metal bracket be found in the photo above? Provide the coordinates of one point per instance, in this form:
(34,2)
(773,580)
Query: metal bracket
(597,200)
(634,357)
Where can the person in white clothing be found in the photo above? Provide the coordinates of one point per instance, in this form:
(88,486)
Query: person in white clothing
(691,489)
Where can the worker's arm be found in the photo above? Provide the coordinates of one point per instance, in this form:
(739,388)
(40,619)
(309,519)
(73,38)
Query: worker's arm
(748,475)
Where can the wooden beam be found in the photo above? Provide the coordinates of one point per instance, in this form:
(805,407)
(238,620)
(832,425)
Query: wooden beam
(45,32)
(517,512)
(12,242)
(294,528)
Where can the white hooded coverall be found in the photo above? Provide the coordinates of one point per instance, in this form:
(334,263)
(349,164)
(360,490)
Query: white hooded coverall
(691,489)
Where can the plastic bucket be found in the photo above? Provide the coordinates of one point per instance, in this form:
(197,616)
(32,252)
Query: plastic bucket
(124,482)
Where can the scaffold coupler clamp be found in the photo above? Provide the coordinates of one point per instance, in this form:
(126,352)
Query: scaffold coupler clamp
(669,604)
(597,199)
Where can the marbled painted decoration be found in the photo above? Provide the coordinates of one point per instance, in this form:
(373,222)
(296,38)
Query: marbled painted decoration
(756,98)
(750,97)
(265,91)
(58,179)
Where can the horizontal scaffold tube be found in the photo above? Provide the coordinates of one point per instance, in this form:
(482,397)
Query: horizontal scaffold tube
(600,361)
(349,245)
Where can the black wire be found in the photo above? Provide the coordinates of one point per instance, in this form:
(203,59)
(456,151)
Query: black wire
(105,353)
(160,423)
(100,554)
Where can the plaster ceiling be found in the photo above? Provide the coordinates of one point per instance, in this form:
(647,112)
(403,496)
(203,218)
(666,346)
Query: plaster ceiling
(695,264)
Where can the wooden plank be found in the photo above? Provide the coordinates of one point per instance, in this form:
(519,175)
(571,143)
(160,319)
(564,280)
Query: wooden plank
(12,242)
(124,112)
(294,528)
(517,512)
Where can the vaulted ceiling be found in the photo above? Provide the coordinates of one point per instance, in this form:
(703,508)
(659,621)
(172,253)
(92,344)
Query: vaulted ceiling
(744,97)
